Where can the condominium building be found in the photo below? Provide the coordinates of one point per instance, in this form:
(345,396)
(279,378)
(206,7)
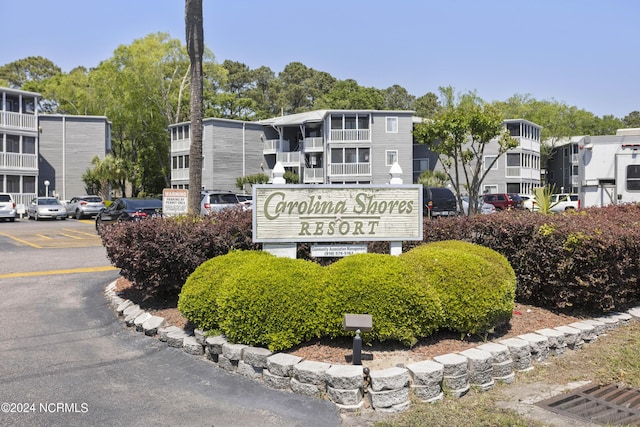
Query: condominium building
(320,147)
(516,171)
(18,144)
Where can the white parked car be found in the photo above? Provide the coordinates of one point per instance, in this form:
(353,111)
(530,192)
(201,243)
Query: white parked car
(528,202)
(7,207)
(564,202)
(46,207)
(484,208)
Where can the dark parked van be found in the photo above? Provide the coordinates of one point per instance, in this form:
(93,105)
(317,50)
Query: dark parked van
(439,201)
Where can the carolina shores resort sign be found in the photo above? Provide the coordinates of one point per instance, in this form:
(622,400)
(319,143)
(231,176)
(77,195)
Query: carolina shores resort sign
(336,213)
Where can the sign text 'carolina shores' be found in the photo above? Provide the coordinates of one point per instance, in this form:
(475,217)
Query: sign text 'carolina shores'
(306,213)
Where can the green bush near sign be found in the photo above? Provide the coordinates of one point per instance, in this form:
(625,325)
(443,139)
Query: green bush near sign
(402,308)
(255,298)
(475,285)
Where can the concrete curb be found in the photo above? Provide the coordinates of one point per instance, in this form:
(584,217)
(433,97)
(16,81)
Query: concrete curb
(353,388)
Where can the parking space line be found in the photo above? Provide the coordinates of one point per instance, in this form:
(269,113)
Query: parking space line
(43,236)
(80,232)
(21,241)
(65,271)
(73,237)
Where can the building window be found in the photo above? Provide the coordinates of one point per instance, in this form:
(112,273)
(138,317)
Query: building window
(13,144)
(392,157)
(28,145)
(490,189)
(488,160)
(28,184)
(420,165)
(180,162)
(13,184)
(392,125)
(633,178)
(513,159)
(350,155)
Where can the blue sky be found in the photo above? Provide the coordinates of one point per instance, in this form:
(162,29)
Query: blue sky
(580,52)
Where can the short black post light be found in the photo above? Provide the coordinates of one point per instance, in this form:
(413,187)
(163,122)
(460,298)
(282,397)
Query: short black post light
(358,323)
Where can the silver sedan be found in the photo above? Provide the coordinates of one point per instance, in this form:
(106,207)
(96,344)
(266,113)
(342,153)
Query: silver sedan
(46,207)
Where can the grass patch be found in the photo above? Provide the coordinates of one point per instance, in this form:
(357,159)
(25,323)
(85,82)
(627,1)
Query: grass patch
(612,358)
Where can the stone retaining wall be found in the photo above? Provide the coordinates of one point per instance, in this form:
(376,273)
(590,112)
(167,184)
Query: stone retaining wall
(354,387)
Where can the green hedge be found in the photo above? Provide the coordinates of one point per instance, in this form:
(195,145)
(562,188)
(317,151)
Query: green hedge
(199,295)
(274,303)
(255,298)
(475,285)
(383,286)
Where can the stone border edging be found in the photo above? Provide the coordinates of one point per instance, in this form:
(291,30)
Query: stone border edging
(352,387)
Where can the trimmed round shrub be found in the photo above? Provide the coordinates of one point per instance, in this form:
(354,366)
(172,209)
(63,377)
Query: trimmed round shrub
(274,302)
(475,289)
(198,297)
(487,253)
(383,286)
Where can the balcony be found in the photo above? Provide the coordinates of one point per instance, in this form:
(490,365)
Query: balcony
(350,135)
(313,144)
(529,144)
(289,158)
(18,121)
(179,174)
(23,198)
(180,145)
(523,173)
(17,161)
(350,169)
(313,176)
(273,146)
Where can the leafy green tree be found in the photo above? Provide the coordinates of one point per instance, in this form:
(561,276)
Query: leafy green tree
(30,69)
(632,120)
(397,98)
(141,90)
(459,134)
(430,178)
(233,101)
(195,47)
(426,106)
(265,93)
(301,86)
(68,93)
(259,178)
(348,95)
(291,177)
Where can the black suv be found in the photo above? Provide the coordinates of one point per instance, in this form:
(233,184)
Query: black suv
(439,201)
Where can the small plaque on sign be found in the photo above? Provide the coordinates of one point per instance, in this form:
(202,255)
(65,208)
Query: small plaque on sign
(320,251)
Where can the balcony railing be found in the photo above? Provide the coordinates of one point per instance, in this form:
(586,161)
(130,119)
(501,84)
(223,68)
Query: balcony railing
(350,169)
(179,174)
(19,161)
(21,121)
(22,199)
(520,172)
(289,158)
(273,146)
(180,145)
(313,175)
(529,144)
(350,135)
(313,144)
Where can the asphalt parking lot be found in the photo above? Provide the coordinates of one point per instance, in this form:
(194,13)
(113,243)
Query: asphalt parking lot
(48,234)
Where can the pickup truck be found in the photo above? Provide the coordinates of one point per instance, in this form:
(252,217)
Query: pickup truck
(564,202)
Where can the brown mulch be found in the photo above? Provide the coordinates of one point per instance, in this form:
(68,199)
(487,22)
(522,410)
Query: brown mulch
(525,319)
